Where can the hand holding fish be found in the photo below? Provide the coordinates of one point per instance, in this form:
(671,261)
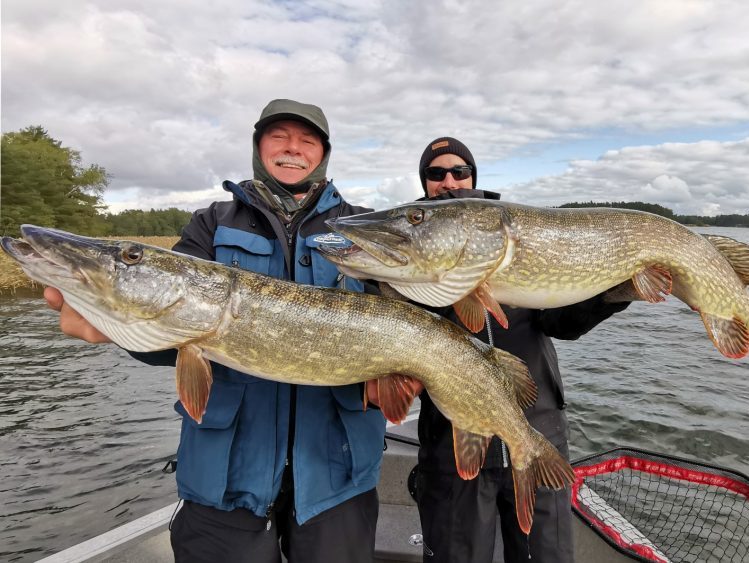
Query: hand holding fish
(71,322)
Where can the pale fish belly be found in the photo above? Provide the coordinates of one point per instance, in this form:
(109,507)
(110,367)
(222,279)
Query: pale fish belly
(545,297)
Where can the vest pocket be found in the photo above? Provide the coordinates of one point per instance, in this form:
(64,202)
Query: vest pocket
(205,448)
(361,445)
(241,249)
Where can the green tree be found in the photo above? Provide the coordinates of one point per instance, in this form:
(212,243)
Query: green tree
(46,184)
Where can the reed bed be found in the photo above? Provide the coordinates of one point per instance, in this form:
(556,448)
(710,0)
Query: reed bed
(13,279)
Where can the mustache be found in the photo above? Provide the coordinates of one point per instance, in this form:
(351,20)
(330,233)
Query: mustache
(291,160)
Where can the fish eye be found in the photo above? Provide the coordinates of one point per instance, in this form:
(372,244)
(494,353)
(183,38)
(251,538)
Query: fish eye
(415,216)
(131,254)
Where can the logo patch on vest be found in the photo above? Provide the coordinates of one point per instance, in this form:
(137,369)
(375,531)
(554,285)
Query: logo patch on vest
(332,239)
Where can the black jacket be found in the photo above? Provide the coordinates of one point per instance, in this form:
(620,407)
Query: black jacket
(529,338)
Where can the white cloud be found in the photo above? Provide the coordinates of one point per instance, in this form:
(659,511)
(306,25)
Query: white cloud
(164,94)
(704,178)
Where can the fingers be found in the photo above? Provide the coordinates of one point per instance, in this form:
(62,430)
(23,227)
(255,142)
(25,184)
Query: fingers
(54,298)
(72,323)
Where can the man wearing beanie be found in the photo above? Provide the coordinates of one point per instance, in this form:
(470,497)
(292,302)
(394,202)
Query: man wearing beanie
(458,517)
(271,467)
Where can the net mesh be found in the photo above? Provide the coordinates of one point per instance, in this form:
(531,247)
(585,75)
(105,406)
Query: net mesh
(664,509)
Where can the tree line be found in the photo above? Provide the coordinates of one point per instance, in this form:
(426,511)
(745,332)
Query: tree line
(46,184)
(732,220)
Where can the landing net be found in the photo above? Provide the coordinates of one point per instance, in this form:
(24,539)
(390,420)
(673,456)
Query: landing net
(664,509)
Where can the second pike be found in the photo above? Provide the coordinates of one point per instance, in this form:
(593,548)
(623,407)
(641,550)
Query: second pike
(477,253)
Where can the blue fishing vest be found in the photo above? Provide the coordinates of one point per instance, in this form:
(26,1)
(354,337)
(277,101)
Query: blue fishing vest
(236,456)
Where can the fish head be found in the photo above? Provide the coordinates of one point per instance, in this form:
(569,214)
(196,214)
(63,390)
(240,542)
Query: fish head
(142,297)
(434,252)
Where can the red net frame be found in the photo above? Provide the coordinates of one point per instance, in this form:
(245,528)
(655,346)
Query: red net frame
(663,509)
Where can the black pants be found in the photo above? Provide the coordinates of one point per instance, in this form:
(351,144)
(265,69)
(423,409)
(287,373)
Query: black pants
(342,534)
(458,520)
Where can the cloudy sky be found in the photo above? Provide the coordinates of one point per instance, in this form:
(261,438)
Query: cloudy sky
(558,101)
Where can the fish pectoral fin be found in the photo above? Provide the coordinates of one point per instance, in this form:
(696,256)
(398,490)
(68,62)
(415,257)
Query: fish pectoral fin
(730,336)
(548,468)
(526,390)
(653,283)
(387,290)
(484,295)
(396,394)
(470,309)
(470,452)
(194,380)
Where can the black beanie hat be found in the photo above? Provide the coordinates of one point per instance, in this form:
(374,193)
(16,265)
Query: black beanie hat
(445,145)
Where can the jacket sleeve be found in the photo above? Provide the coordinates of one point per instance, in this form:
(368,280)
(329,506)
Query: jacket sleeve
(572,321)
(197,236)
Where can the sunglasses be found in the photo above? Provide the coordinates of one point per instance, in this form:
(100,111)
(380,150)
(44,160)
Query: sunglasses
(437,173)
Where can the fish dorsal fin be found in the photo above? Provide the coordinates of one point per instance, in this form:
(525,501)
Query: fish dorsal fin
(470,309)
(194,379)
(396,393)
(730,336)
(526,390)
(470,452)
(737,254)
(653,283)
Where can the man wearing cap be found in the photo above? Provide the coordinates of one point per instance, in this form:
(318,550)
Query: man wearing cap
(459,517)
(271,460)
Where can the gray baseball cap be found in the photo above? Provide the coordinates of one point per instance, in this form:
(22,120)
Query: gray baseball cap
(279,110)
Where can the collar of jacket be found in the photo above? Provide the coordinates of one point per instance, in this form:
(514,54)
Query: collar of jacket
(245,192)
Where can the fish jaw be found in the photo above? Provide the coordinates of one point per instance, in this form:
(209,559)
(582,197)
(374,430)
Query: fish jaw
(434,252)
(123,287)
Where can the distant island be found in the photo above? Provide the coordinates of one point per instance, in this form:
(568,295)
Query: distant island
(733,220)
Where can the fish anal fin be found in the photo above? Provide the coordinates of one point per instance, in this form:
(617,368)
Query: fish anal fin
(470,452)
(484,295)
(548,468)
(194,379)
(396,395)
(470,311)
(730,336)
(653,283)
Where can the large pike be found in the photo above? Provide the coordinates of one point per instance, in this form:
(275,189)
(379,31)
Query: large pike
(477,253)
(146,299)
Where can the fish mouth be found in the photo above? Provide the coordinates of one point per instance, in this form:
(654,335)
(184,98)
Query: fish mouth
(51,256)
(368,237)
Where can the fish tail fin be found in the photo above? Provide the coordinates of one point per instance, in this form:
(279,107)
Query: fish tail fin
(549,468)
(194,379)
(526,390)
(737,254)
(730,336)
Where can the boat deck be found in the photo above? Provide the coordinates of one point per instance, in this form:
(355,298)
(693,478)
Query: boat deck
(146,540)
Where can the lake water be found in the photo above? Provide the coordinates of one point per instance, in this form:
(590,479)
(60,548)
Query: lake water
(85,430)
